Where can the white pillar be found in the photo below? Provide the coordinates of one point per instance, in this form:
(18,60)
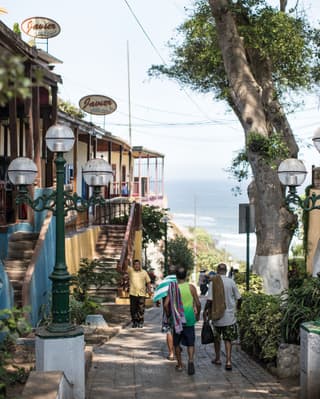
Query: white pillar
(56,353)
(310,360)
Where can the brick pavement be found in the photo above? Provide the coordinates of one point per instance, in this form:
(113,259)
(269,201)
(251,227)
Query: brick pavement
(133,365)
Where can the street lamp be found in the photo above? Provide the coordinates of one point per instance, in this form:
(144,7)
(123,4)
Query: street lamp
(165,220)
(292,173)
(97,173)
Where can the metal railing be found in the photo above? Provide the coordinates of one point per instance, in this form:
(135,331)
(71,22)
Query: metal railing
(134,224)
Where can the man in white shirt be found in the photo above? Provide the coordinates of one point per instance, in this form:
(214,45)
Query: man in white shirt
(225,326)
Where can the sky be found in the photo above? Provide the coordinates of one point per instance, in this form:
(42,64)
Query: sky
(198,136)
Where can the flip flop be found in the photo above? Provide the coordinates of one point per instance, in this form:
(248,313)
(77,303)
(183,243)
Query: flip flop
(170,358)
(216,362)
(228,367)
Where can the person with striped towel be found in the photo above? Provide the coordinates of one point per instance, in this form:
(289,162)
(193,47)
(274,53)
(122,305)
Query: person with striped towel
(160,293)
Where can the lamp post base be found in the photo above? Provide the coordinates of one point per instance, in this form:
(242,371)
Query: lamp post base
(65,353)
(310,360)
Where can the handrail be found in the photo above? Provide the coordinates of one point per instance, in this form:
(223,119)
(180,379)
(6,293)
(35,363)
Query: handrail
(128,238)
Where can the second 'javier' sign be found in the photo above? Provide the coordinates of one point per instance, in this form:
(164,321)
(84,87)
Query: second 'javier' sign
(97,104)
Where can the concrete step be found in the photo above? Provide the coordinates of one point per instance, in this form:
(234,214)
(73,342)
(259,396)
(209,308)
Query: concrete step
(23,235)
(12,264)
(21,245)
(24,254)
(16,274)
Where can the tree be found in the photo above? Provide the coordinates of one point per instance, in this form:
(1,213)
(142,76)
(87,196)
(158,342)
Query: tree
(180,254)
(153,228)
(251,56)
(13,81)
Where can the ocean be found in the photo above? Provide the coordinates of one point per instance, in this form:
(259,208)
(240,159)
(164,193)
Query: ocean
(211,205)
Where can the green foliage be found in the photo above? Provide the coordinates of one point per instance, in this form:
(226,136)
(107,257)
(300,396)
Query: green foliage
(12,78)
(12,326)
(284,41)
(179,253)
(208,256)
(255,282)
(79,310)
(239,168)
(16,28)
(271,148)
(259,322)
(296,272)
(92,273)
(13,323)
(70,109)
(153,228)
(300,304)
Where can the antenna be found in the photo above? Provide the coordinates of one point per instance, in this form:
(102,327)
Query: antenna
(129,94)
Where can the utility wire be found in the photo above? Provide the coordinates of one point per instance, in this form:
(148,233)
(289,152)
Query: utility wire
(144,32)
(162,59)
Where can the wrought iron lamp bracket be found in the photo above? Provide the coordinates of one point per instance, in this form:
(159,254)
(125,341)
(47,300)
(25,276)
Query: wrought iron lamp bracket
(307,204)
(72,202)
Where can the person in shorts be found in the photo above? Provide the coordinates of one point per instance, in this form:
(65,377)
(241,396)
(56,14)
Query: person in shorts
(226,326)
(191,309)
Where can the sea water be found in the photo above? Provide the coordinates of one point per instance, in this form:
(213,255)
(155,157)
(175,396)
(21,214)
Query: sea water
(213,206)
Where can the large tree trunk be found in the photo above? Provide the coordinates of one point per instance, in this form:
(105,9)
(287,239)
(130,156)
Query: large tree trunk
(252,97)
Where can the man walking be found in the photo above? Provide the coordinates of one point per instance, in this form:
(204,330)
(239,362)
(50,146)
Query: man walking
(139,287)
(223,299)
(183,306)
(160,293)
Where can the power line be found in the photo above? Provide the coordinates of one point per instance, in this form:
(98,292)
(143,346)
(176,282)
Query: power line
(144,31)
(162,59)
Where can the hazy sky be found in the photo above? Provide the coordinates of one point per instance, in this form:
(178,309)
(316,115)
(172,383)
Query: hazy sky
(197,136)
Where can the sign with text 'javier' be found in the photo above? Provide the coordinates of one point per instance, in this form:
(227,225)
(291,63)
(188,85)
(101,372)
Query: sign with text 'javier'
(40,27)
(97,104)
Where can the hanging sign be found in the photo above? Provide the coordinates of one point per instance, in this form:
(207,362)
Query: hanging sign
(40,27)
(97,104)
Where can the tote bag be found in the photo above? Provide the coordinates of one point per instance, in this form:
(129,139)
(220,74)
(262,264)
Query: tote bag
(206,333)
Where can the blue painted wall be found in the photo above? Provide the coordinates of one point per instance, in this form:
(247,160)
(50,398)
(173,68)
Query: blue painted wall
(40,289)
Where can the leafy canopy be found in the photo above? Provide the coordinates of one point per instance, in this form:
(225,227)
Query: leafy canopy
(153,226)
(286,41)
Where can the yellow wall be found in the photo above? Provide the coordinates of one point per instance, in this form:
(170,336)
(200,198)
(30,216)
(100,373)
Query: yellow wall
(313,234)
(81,245)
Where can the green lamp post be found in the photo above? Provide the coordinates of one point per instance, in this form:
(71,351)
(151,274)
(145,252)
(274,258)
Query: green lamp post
(292,173)
(96,173)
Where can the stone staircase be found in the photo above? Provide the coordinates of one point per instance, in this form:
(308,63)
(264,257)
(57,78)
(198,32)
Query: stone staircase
(108,251)
(20,250)
(110,240)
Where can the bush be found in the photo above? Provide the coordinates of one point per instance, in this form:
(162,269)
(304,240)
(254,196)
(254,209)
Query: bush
(12,326)
(259,322)
(300,304)
(180,254)
(256,282)
(79,310)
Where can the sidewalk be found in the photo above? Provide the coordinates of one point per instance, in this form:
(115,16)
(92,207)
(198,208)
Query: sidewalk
(133,365)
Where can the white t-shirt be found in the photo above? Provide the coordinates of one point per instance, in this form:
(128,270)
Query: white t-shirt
(232,294)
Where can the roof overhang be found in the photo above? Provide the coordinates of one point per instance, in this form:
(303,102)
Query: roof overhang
(142,152)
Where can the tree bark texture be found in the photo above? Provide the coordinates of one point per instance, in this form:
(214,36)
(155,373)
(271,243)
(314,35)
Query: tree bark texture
(254,102)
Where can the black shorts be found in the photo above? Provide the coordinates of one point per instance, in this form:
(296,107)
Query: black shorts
(187,336)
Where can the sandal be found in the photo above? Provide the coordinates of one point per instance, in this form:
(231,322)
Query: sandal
(170,358)
(216,362)
(178,368)
(228,367)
